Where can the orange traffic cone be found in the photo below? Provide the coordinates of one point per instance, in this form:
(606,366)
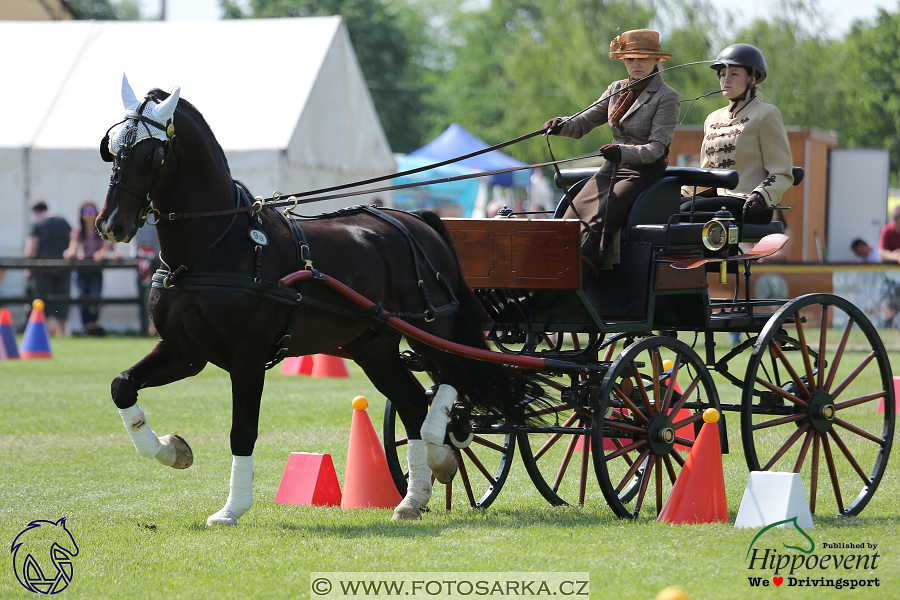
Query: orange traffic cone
(326,365)
(297,365)
(309,479)
(36,341)
(8,334)
(698,495)
(367,480)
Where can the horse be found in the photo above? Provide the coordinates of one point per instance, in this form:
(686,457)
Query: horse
(215,300)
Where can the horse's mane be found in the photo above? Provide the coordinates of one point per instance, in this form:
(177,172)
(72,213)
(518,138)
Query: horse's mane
(159,95)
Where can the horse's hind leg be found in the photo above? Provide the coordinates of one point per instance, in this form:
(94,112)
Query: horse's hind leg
(158,368)
(382,365)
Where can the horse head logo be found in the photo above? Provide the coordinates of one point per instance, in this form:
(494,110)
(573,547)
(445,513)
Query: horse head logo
(42,556)
(792,520)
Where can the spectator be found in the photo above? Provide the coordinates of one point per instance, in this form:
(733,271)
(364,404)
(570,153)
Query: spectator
(49,238)
(85,243)
(865,252)
(889,242)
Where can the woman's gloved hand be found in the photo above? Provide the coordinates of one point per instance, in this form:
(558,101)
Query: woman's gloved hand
(553,126)
(755,205)
(611,152)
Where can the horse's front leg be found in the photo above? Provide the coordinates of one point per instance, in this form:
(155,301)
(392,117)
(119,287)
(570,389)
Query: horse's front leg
(163,365)
(247,379)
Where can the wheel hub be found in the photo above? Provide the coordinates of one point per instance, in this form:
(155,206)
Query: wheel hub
(661,435)
(822,412)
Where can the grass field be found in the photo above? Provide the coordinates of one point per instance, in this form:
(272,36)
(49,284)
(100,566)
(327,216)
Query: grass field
(140,527)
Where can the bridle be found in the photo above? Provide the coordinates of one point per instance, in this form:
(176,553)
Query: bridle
(123,157)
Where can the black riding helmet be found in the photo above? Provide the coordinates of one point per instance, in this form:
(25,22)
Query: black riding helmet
(742,55)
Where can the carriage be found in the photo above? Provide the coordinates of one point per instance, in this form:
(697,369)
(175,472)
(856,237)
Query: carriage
(631,391)
(602,382)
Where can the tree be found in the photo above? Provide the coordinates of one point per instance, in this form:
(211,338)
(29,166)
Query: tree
(387,37)
(870,86)
(106,10)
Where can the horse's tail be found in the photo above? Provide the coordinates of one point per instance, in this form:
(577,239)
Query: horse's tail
(486,386)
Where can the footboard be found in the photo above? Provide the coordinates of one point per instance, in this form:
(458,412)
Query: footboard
(518,253)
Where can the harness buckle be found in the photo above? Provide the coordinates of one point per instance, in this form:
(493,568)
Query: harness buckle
(304,254)
(155,220)
(257,206)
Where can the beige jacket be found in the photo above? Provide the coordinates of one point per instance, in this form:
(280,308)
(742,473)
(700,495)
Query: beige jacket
(646,130)
(755,144)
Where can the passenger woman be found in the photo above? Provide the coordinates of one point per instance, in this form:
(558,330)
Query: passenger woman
(747,136)
(642,112)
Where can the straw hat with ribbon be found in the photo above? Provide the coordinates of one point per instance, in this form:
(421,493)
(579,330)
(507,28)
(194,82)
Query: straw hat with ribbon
(638,43)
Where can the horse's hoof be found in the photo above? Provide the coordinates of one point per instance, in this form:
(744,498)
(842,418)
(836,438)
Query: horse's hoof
(223,517)
(175,452)
(407,510)
(442,461)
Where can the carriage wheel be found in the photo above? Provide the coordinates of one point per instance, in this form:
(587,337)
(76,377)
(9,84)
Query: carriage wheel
(557,457)
(644,422)
(484,463)
(819,400)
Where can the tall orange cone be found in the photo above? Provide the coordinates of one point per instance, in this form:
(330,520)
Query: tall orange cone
(326,365)
(36,341)
(8,334)
(367,480)
(297,365)
(698,495)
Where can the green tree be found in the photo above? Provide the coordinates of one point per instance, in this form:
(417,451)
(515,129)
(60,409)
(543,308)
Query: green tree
(870,86)
(388,37)
(106,10)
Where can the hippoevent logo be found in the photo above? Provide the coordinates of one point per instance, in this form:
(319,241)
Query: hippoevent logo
(801,566)
(42,556)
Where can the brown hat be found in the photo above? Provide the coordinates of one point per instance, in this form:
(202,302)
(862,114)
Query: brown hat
(638,43)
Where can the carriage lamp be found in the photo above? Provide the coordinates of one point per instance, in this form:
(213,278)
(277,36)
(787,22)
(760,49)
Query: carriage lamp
(718,233)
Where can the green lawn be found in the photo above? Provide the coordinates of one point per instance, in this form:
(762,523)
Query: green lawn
(140,527)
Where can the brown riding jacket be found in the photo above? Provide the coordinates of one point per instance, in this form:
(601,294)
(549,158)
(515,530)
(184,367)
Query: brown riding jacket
(644,132)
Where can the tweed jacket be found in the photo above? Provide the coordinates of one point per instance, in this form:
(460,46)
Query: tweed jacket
(755,144)
(646,130)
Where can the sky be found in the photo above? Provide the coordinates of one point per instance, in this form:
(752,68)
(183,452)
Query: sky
(840,13)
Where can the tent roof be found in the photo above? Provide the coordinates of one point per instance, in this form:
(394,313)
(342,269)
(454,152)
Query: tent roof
(456,140)
(250,78)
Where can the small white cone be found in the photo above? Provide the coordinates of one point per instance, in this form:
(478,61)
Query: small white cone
(771,497)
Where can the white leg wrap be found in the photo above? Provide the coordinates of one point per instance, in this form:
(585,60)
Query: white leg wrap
(419,487)
(418,490)
(240,496)
(145,441)
(435,426)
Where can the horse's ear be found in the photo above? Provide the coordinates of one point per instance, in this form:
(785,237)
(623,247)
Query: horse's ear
(166,108)
(105,154)
(128,98)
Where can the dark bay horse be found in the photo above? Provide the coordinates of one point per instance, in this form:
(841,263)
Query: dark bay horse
(214,302)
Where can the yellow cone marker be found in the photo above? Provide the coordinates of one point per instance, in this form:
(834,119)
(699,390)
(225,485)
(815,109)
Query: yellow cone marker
(360,403)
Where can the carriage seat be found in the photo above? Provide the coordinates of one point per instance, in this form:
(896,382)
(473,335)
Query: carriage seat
(650,216)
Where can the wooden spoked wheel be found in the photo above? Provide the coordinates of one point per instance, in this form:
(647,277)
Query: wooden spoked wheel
(484,462)
(819,400)
(644,422)
(557,455)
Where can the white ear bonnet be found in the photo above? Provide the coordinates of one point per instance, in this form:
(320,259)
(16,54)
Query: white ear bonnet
(132,131)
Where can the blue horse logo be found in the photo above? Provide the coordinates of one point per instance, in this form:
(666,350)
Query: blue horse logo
(30,549)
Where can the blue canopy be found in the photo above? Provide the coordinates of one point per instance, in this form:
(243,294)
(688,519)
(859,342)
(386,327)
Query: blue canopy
(449,199)
(457,141)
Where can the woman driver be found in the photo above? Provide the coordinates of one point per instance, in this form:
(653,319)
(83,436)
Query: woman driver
(642,119)
(747,136)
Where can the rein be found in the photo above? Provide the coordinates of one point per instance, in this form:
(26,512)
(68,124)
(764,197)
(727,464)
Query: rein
(292,201)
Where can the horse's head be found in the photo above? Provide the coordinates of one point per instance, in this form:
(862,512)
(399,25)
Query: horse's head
(139,147)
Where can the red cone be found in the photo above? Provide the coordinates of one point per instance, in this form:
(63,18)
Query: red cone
(297,365)
(367,480)
(326,365)
(309,479)
(698,495)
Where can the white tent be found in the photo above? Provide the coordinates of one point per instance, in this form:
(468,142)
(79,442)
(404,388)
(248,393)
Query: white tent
(285,98)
